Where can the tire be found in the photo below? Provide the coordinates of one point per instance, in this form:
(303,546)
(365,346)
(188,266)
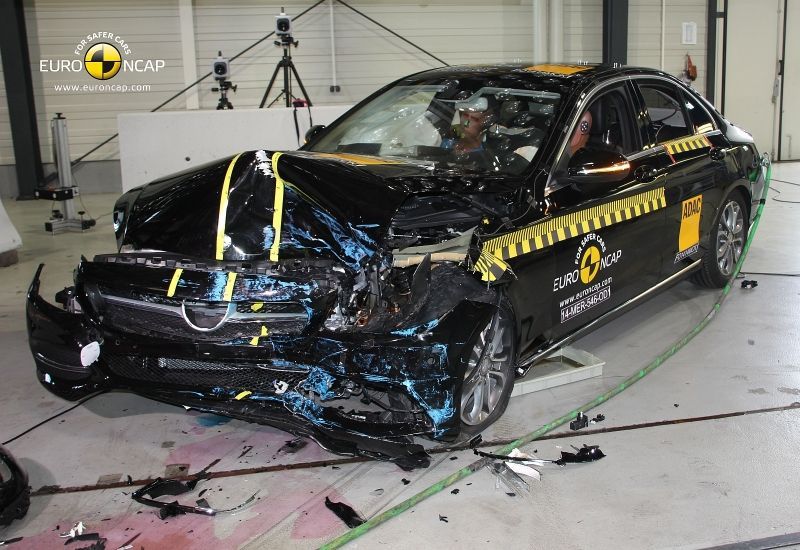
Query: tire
(726,243)
(490,372)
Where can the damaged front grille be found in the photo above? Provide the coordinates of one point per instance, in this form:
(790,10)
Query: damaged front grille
(204,374)
(210,322)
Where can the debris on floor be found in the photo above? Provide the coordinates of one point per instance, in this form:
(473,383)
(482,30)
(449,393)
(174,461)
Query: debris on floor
(345,513)
(14,489)
(405,481)
(581,421)
(514,484)
(598,418)
(443,518)
(475,441)
(76,530)
(174,487)
(455,491)
(584,454)
(293,445)
(376,492)
(747,283)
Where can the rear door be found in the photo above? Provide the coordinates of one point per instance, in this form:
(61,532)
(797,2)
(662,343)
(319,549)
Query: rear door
(688,151)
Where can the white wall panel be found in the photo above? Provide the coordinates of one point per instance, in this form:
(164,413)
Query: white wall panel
(583,31)
(644,36)
(463,31)
(458,31)
(6,145)
(150,28)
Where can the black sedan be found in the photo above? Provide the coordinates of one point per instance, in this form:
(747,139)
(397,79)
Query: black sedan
(393,277)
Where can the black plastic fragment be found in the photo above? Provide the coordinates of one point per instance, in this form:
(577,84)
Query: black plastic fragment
(455,491)
(453,458)
(405,481)
(598,418)
(293,445)
(83,537)
(581,421)
(584,454)
(475,441)
(747,283)
(345,513)
(443,518)
(14,490)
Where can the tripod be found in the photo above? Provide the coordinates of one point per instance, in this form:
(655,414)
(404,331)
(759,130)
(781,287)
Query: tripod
(286,64)
(224,86)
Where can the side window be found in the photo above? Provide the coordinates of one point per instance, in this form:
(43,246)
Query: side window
(607,124)
(701,120)
(667,119)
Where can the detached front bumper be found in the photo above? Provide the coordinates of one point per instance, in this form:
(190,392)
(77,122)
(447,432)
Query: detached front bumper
(326,386)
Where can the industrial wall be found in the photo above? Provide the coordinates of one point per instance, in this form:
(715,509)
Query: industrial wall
(187,35)
(647,18)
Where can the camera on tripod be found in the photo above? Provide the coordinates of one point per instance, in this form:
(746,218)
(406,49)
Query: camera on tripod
(221,68)
(283,28)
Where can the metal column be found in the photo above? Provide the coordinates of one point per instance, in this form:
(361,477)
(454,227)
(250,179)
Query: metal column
(19,93)
(615,31)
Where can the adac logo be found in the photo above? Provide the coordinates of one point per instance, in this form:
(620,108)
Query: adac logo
(590,264)
(102,61)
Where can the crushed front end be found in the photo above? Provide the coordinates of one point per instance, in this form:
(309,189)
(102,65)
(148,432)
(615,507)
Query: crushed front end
(342,343)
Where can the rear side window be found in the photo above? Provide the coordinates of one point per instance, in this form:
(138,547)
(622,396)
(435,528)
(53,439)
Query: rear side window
(699,117)
(667,119)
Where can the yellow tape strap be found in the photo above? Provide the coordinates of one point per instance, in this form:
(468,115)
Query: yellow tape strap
(277,215)
(264,332)
(683,145)
(173,284)
(549,232)
(223,209)
(227,295)
(242,395)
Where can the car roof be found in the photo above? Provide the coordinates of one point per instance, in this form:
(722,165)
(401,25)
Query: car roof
(564,73)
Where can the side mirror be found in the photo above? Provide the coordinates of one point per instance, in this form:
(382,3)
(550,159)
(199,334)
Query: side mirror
(314,131)
(589,165)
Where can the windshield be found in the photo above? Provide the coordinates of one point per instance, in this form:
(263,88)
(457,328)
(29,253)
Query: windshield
(484,127)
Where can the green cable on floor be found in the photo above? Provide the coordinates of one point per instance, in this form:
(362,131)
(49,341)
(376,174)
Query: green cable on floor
(437,487)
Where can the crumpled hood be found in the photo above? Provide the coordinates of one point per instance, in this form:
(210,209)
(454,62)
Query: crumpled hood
(262,205)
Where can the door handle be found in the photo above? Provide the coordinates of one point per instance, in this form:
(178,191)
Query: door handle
(717,153)
(645,174)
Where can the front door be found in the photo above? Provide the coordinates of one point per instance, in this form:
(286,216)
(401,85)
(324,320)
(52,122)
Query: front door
(613,240)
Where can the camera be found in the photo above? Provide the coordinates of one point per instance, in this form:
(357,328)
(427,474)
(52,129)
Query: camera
(220,67)
(283,24)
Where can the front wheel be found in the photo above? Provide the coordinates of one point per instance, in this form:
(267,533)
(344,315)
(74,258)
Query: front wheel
(489,377)
(726,243)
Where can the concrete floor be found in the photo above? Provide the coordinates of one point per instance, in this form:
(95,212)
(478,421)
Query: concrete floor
(692,484)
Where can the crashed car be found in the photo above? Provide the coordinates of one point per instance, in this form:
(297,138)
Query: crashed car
(394,277)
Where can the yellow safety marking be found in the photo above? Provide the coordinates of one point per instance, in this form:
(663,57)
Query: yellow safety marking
(277,214)
(686,144)
(228,294)
(690,223)
(357,159)
(496,251)
(257,306)
(558,69)
(223,208)
(173,284)
(264,332)
(242,395)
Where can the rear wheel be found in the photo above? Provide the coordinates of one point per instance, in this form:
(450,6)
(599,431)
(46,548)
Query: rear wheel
(726,243)
(489,377)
